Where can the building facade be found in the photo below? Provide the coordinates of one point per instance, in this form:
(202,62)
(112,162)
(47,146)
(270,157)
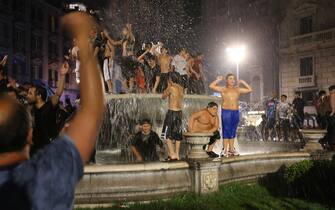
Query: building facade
(30,35)
(307,48)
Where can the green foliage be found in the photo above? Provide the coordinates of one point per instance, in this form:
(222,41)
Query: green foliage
(234,196)
(297,170)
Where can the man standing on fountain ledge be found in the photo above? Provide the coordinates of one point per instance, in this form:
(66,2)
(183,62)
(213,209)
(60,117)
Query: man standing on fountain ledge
(172,127)
(230,115)
(48,180)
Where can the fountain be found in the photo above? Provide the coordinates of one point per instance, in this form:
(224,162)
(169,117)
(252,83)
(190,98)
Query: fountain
(116,176)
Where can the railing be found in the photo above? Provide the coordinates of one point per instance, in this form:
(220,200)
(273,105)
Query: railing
(320,36)
(306,81)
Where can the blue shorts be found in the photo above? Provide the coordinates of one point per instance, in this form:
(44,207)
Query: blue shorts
(230,120)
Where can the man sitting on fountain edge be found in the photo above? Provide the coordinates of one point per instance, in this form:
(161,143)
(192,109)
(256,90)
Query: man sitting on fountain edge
(144,143)
(206,120)
(230,115)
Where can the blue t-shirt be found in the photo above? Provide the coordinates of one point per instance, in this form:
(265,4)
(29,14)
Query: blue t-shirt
(45,182)
(271,106)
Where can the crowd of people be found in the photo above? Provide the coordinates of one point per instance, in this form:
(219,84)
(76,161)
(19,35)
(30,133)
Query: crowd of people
(283,120)
(142,70)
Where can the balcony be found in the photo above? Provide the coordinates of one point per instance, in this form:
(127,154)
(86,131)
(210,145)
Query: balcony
(311,38)
(306,81)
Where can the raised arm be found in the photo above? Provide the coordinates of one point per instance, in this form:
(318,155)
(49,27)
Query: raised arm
(142,56)
(61,83)
(112,41)
(247,88)
(214,85)
(166,92)
(4,60)
(85,126)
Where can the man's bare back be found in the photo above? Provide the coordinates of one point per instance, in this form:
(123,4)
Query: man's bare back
(175,95)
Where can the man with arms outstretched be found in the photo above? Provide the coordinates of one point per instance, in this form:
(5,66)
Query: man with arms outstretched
(230,115)
(206,120)
(173,121)
(48,180)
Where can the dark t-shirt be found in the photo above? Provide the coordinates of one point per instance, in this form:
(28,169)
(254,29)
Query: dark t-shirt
(298,105)
(47,181)
(3,85)
(271,106)
(146,145)
(45,127)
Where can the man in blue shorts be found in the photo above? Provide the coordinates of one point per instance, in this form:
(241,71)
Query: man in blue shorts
(230,115)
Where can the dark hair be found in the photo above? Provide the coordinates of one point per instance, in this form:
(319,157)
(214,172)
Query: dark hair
(145,121)
(285,96)
(175,77)
(151,57)
(182,49)
(332,87)
(14,129)
(199,54)
(39,90)
(322,92)
(228,75)
(12,90)
(212,104)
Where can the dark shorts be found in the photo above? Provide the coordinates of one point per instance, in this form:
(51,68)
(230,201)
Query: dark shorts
(173,125)
(128,65)
(184,81)
(270,123)
(230,120)
(163,82)
(216,136)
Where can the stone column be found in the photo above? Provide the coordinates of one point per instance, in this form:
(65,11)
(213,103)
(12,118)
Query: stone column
(195,142)
(312,137)
(205,176)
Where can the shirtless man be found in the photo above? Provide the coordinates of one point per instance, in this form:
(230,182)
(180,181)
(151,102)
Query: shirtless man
(173,121)
(206,120)
(230,109)
(164,60)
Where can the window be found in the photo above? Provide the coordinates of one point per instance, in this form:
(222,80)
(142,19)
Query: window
(4,30)
(306,25)
(52,50)
(306,66)
(52,24)
(19,41)
(36,43)
(38,73)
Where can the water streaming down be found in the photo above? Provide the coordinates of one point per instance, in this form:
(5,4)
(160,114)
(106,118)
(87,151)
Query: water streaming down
(124,112)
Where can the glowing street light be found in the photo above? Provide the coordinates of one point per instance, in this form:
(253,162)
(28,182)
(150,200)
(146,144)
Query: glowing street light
(236,54)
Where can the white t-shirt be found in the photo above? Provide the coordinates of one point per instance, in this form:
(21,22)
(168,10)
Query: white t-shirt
(180,64)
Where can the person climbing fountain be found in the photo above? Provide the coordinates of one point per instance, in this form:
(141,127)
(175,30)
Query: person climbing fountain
(206,121)
(230,109)
(172,128)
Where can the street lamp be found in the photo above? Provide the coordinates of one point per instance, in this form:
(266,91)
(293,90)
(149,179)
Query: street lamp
(236,54)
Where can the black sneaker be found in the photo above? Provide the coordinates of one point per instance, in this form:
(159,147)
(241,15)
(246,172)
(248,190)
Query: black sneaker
(212,154)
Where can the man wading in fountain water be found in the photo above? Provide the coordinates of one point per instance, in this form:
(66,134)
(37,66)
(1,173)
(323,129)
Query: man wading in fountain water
(230,115)
(48,180)
(172,127)
(206,120)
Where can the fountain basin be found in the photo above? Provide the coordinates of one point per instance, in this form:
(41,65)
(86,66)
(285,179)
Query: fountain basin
(195,143)
(312,137)
(149,181)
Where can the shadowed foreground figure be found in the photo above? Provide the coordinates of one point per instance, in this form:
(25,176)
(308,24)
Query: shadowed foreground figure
(48,180)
